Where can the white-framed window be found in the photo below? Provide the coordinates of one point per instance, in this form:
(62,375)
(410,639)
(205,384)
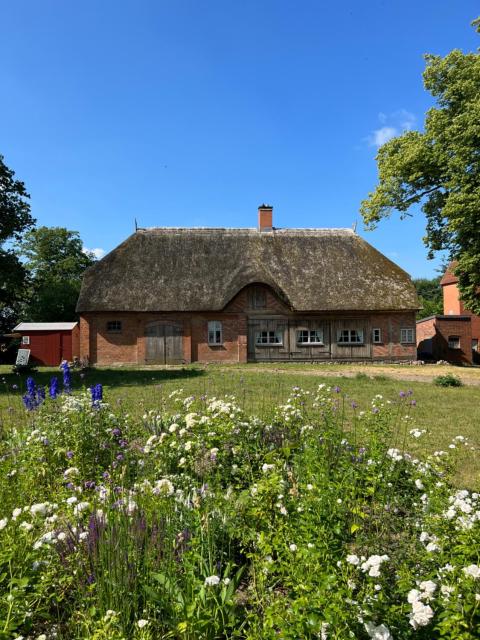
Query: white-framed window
(475,344)
(269,338)
(215,332)
(454,342)
(376,336)
(114,326)
(350,336)
(407,336)
(25,339)
(309,336)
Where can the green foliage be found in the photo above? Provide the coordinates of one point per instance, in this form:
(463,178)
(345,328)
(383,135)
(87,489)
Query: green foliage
(15,219)
(430,296)
(55,261)
(439,168)
(203,522)
(448,380)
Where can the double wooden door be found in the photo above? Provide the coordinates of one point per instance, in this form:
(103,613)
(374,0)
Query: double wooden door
(163,343)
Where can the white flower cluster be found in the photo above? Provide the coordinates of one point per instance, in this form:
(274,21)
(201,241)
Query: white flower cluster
(464,509)
(421,613)
(369,565)
(473,571)
(372,565)
(380,632)
(417,433)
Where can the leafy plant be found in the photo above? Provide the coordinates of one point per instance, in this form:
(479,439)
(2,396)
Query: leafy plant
(448,380)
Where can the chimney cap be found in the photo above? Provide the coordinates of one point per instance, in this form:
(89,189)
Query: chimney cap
(265,206)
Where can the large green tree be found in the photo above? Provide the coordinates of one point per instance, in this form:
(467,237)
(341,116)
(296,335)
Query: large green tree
(439,168)
(15,219)
(56,261)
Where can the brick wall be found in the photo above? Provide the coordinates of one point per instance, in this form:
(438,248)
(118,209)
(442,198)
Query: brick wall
(426,331)
(234,347)
(433,334)
(390,325)
(128,347)
(454,327)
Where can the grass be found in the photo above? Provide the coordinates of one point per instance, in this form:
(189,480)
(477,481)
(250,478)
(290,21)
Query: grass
(444,412)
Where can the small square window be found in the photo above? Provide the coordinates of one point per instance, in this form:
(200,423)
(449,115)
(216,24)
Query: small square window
(376,336)
(114,326)
(407,336)
(25,339)
(215,332)
(454,342)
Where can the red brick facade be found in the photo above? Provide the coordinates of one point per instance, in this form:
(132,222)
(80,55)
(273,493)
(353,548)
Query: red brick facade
(129,345)
(435,334)
(454,336)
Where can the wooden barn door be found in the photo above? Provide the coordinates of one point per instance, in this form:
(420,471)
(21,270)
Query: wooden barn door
(163,343)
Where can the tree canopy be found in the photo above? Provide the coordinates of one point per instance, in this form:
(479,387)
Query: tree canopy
(15,219)
(439,168)
(55,260)
(430,296)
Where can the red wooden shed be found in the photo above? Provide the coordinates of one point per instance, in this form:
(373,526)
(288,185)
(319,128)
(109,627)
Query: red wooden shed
(50,342)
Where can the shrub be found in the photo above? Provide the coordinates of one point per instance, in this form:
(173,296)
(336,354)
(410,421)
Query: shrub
(208,523)
(448,380)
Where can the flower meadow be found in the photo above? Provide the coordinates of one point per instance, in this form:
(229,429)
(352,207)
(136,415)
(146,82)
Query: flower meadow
(204,521)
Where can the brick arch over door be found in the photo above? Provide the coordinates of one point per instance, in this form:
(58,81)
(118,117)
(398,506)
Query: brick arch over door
(163,342)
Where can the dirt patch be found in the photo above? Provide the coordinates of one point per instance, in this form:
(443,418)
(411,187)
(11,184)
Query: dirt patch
(412,373)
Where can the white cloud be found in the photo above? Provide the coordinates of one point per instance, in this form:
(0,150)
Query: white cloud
(394,124)
(98,253)
(407,119)
(382,135)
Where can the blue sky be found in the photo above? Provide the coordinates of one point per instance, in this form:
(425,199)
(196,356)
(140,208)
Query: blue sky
(193,112)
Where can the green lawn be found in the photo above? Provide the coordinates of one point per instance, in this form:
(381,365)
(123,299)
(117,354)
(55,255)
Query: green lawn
(444,412)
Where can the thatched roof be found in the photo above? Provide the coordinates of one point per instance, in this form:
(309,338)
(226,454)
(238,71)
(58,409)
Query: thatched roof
(170,269)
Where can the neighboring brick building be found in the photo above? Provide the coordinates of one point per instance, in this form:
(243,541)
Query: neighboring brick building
(173,295)
(453,336)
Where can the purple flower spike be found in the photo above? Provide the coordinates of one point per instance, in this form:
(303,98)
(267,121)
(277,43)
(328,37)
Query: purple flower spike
(67,377)
(53,389)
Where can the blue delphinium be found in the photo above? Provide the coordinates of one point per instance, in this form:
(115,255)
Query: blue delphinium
(53,390)
(34,396)
(97,394)
(67,377)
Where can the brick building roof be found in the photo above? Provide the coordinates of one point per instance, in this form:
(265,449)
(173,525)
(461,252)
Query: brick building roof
(448,276)
(176,269)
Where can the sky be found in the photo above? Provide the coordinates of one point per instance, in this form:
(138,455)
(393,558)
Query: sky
(194,112)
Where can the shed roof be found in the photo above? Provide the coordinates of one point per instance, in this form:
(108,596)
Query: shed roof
(45,326)
(199,269)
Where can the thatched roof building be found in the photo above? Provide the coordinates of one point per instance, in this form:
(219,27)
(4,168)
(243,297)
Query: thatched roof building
(177,269)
